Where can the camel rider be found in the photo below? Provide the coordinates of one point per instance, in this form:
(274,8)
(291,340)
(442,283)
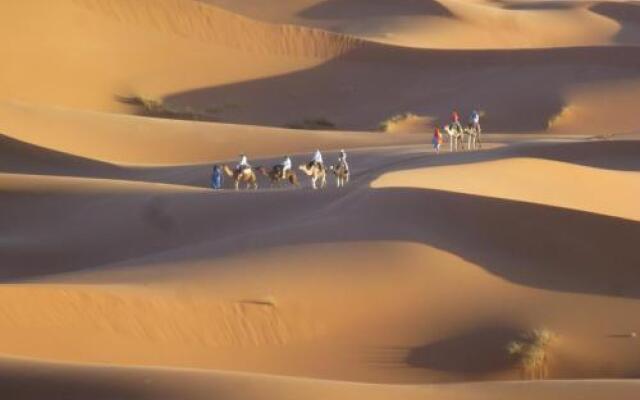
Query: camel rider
(474,120)
(342,159)
(455,121)
(243,164)
(285,166)
(317,159)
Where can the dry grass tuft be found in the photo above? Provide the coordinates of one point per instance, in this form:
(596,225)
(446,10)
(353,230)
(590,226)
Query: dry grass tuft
(313,124)
(159,108)
(389,123)
(408,123)
(532,353)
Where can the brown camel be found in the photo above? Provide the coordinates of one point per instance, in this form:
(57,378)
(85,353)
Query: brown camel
(275,175)
(245,175)
(316,172)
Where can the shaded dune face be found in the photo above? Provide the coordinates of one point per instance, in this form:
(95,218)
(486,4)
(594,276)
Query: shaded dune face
(103,383)
(619,11)
(626,14)
(157,224)
(339,9)
(501,82)
(537,5)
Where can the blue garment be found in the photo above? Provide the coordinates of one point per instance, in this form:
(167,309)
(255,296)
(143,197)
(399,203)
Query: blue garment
(216,178)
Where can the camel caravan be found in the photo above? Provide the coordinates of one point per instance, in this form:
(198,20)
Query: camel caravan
(244,175)
(460,138)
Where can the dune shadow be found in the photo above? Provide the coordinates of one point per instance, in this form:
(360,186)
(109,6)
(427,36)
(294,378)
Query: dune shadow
(27,380)
(18,157)
(41,384)
(519,90)
(21,157)
(618,155)
(620,11)
(537,5)
(529,244)
(348,9)
(474,353)
(627,14)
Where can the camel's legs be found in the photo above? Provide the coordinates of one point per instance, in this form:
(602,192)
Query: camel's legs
(237,184)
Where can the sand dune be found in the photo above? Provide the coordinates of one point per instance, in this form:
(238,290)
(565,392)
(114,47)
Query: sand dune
(126,139)
(124,276)
(249,72)
(76,381)
(98,51)
(532,180)
(262,291)
(458,24)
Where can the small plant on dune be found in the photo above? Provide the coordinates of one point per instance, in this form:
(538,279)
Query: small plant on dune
(385,126)
(532,353)
(313,124)
(159,108)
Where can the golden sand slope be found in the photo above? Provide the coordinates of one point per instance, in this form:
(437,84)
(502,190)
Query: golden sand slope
(97,51)
(532,180)
(127,139)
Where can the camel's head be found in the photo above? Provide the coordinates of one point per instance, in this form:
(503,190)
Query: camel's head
(304,168)
(227,170)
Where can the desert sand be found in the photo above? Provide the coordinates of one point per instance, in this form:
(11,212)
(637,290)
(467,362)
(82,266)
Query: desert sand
(125,276)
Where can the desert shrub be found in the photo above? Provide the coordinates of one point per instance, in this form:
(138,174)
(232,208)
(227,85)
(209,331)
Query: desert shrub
(313,124)
(532,353)
(159,108)
(385,126)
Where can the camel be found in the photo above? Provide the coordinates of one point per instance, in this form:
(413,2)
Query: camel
(244,176)
(473,137)
(316,172)
(341,172)
(275,175)
(455,137)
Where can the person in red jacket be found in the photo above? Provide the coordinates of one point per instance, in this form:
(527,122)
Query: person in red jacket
(437,139)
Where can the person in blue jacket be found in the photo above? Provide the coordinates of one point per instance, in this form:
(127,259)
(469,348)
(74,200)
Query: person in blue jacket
(216,177)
